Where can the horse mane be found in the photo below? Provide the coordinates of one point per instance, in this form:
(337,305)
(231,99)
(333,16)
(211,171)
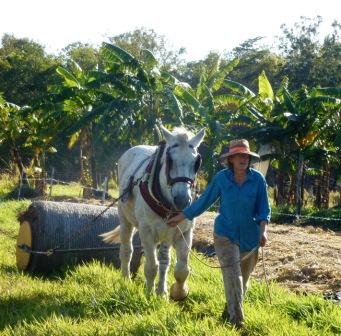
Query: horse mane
(182,134)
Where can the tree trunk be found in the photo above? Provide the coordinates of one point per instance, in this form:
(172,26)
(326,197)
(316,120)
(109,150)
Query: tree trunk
(318,196)
(325,187)
(302,185)
(18,161)
(85,162)
(280,187)
(299,175)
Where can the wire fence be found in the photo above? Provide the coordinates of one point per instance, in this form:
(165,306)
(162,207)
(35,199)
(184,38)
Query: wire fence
(297,217)
(50,182)
(102,191)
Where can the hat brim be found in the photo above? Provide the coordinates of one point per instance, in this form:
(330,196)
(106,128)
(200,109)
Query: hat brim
(242,151)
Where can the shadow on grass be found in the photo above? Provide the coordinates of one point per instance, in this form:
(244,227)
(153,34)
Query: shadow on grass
(37,307)
(9,269)
(57,275)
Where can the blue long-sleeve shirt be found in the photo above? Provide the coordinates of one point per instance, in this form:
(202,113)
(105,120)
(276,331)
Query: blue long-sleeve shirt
(241,209)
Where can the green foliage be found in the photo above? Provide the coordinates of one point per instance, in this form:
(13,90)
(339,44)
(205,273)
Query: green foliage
(123,90)
(142,41)
(83,54)
(306,61)
(25,70)
(265,88)
(26,131)
(209,109)
(253,59)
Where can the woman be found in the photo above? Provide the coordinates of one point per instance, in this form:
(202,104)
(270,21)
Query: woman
(240,226)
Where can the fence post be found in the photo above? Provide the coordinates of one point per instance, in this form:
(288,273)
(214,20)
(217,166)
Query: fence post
(51,181)
(20,183)
(116,173)
(105,188)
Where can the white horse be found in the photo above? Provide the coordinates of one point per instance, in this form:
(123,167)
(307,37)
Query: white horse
(166,174)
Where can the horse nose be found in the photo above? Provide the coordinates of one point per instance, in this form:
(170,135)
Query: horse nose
(181,202)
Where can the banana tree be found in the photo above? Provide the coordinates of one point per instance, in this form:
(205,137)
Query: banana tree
(134,93)
(127,97)
(69,102)
(26,134)
(11,131)
(293,122)
(207,106)
(147,89)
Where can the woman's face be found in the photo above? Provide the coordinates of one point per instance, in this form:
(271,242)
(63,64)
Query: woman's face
(240,161)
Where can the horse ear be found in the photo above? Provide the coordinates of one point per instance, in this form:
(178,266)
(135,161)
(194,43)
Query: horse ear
(167,135)
(196,140)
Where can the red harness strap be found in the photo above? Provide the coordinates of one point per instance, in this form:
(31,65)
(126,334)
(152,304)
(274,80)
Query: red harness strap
(154,204)
(155,199)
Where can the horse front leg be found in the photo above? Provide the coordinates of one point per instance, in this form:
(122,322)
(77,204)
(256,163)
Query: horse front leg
(164,260)
(179,290)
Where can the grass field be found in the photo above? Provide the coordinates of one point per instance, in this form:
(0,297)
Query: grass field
(92,299)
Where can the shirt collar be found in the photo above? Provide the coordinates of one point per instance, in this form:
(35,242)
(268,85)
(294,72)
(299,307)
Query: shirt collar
(250,174)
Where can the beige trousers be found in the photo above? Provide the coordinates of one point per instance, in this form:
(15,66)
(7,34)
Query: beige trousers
(236,270)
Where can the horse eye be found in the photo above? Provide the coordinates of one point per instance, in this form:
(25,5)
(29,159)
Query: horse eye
(175,145)
(190,146)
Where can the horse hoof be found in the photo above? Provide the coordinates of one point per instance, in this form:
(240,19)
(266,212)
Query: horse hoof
(162,294)
(178,293)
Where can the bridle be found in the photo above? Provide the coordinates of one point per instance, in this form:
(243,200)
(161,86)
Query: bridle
(169,162)
(150,187)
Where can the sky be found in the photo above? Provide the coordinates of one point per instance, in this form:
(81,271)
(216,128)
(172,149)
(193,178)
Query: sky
(197,25)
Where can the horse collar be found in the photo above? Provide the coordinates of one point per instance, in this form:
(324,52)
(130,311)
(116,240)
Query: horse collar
(151,189)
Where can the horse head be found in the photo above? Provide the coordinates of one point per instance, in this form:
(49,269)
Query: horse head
(181,162)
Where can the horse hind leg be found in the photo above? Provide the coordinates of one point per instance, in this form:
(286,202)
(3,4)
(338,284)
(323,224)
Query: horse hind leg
(179,290)
(164,260)
(151,264)
(126,247)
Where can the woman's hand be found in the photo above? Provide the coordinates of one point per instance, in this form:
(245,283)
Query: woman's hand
(174,221)
(263,239)
(263,235)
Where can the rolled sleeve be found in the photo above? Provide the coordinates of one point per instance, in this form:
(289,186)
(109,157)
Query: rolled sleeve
(263,206)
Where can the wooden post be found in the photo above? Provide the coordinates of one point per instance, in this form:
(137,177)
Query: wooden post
(105,188)
(116,173)
(20,183)
(51,181)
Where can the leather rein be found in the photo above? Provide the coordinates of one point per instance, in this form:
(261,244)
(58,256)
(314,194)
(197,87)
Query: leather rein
(150,187)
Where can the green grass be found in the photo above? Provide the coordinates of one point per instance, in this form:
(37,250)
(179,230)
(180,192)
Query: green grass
(92,299)
(9,189)
(74,189)
(7,184)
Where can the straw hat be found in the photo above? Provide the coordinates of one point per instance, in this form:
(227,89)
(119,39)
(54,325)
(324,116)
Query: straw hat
(239,146)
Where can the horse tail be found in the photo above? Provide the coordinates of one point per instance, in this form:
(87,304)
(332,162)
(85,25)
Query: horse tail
(111,237)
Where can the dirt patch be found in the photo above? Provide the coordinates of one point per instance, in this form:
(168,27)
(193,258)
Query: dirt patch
(304,259)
